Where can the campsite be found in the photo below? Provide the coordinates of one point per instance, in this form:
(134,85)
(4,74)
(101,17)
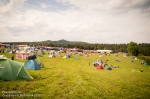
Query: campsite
(74,49)
(77,78)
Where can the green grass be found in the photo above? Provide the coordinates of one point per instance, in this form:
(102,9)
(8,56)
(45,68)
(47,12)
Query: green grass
(75,79)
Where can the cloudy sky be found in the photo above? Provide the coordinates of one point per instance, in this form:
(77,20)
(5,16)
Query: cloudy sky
(93,21)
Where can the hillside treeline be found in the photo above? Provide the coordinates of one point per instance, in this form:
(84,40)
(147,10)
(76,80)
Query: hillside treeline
(144,48)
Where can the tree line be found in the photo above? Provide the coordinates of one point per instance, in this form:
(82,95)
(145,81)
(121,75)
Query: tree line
(143,48)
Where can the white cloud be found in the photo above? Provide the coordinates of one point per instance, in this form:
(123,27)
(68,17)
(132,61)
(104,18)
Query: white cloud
(11,7)
(43,5)
(96,21)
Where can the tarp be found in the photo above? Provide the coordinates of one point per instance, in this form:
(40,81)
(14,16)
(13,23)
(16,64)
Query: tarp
(32,65)
(12,70)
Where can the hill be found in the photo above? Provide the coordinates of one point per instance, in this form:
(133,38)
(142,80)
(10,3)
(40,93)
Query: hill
(62,41)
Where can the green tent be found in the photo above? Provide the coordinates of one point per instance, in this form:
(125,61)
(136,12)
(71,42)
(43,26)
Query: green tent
(12,70)
(39,62)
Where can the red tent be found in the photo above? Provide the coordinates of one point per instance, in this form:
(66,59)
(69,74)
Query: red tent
(100,67)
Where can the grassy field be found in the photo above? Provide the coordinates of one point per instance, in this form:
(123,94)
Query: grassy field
(75,79)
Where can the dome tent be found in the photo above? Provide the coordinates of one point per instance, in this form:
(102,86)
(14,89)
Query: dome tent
(97,63)
(32,65)
(51,55)
(39,62)
(12,70)
(100,67)
(108,68)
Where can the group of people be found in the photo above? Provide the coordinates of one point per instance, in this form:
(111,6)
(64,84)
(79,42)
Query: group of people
(7,49)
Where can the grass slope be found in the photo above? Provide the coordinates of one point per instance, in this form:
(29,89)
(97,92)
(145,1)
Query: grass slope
(75,79)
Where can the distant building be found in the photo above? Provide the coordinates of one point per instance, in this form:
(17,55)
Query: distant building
(104,51)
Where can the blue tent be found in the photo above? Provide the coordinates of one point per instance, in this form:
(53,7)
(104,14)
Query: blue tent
(108,68)
(32,65)
(76,58)
(144,64)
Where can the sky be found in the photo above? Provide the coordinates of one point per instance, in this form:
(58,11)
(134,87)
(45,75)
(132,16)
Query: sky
(92,21)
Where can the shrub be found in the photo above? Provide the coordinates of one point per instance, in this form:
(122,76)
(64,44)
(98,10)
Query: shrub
(147,60)
(140,56)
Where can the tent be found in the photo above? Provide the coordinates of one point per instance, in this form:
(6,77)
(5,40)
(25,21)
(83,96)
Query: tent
(32,65)
(145,64)
(67,56)
(86,55)
(51,55)
(10,52)
(97,63)
(12,70)
(39,62)
(117,60)
(80,54)
(75,58)
(108,68)
(100,67)
(40,52)
(22,55)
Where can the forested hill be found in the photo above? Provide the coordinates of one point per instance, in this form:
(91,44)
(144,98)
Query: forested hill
(144,48)
(62,41)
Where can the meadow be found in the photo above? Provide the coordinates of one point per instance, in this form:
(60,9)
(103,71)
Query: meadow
(77,79)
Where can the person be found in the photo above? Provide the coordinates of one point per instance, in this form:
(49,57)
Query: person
(3,50)
(0,49)
(101,62)
(13,50)
(34,57)
(12,57)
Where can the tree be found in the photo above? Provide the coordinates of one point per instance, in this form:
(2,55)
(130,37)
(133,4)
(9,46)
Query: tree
(133,48)
(100,47)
